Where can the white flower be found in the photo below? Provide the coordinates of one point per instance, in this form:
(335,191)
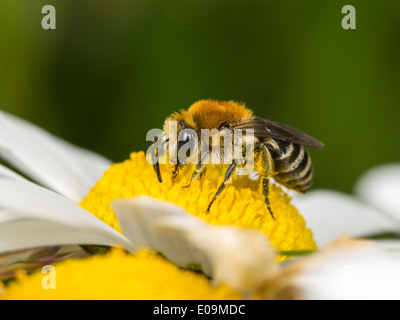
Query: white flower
(46,213)
(374,209)
(380,188)
(369,270)
(34,216)
(345,269)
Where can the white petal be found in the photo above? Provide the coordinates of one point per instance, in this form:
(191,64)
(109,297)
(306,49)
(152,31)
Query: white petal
(92,163)
(5,172)
(350,273)
(40,203)
(380,187)
(23,200)
(241,258)
(145,220)
(330,214)
(390,246)
(173,237)
(35,233)
(136,218)
(48,160)
(7,215)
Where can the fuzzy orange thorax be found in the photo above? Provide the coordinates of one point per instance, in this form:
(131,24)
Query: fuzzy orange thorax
(210,114)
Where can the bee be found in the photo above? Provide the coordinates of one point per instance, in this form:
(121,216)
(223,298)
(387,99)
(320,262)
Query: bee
(279,150)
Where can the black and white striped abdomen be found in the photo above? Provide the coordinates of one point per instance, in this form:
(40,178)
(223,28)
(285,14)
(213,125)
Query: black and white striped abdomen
(292,164)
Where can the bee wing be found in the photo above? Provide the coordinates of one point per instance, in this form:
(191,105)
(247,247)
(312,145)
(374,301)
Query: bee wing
(264,128)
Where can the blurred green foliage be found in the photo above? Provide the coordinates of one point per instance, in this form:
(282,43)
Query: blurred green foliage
(112,70)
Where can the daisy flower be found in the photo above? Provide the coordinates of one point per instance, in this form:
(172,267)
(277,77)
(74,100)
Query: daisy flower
(76,197)
(79,197)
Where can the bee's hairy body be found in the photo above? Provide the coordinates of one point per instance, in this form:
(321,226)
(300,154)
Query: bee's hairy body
(292,164)
(278,149)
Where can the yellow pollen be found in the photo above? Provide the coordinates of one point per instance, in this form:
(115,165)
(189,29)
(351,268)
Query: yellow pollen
(117,275)
(240,204)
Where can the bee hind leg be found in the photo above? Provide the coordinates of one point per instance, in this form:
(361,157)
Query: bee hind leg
(266,169)
(228,175)
(265,188)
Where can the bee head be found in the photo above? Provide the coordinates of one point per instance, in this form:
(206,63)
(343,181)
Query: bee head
(180,130)
(211,115)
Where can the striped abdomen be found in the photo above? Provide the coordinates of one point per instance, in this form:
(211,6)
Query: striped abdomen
(292,164)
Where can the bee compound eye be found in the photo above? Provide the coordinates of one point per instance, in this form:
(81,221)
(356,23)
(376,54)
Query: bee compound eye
(225,126)
(186,136)
(186,144)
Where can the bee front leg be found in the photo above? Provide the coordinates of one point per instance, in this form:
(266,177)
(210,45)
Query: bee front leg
(155,156)
(228,175)
(200,168)
(177,167)
(156,164)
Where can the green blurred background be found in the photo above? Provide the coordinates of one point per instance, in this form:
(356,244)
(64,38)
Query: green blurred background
(112,70)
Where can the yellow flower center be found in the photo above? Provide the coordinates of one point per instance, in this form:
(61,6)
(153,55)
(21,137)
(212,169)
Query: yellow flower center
(241,203)
(117,275)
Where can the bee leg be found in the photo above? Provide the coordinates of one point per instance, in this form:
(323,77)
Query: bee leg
(265,193)
(200,168)
(176,169)
(266,169)
(228,175)
(155,158)
(156,164)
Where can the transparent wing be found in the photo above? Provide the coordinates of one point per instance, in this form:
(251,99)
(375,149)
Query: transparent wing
(264,128)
